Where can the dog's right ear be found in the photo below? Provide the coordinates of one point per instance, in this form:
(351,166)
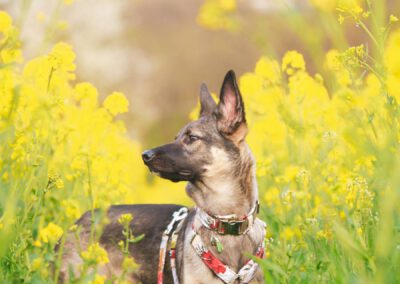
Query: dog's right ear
(207,103)
(231,120)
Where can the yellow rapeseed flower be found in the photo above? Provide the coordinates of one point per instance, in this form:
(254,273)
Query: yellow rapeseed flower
(217,14)
(116,103)
(95,254)
(59,183)
(51,233)
(324,234)
(5,21)
(272,196)
(393,19)
(68,2)
(324,5)
(11,55)
(392,56)
(37,263)
(268,69)
(291,172)
(71,209)
(129,264)
(125,219)
(62,57)
(289,233)
(227,5)
(349,6)
(292,60)
(98,279)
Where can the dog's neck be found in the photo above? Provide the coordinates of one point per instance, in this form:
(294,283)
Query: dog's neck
(227,193)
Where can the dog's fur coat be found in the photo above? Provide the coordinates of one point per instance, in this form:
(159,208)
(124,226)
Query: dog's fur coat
(211,154)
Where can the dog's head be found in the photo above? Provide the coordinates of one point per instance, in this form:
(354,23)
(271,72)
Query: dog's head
(208,146)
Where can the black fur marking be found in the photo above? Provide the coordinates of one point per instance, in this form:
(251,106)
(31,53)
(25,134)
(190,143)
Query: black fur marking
(148,219)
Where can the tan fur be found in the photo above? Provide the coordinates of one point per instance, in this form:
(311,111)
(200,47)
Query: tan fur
(225,193)
(238,136)
(220,171)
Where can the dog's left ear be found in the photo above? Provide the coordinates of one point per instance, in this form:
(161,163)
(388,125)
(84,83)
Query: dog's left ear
(231,120)
(207,103)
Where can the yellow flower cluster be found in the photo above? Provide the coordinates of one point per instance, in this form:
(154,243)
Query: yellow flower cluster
(62,152)
(51,233)
(129,264)
(116,103)
(307,141)
(320,152)
(218,14)
(95,254)
(125,219)
(98,279)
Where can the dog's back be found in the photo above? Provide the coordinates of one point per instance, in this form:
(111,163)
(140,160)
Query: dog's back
(148,219)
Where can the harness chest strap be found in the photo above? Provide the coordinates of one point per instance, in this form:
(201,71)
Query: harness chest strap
(220,269)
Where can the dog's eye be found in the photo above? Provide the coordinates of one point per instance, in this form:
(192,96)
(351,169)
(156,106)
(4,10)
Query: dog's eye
(193,138)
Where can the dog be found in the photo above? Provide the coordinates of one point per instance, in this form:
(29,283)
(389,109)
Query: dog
(215,240)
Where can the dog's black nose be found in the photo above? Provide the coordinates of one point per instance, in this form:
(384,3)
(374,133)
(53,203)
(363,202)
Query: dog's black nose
(148,155)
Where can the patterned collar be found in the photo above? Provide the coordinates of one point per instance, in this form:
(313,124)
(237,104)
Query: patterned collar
(229,224)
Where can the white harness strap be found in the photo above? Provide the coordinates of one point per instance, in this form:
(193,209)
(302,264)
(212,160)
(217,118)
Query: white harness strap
(179,215)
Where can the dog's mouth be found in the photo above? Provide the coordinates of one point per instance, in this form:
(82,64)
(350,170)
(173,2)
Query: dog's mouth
(185,173)
(157,173)
(171,174)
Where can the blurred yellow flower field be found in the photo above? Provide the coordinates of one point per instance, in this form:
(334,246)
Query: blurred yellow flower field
(327,156)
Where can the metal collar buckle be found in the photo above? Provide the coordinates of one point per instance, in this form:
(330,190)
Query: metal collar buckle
(229,224)
(232,227)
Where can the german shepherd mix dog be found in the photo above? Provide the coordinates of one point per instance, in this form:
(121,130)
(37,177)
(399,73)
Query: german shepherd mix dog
(215,242)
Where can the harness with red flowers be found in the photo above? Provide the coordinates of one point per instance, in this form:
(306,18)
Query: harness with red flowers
(222,225)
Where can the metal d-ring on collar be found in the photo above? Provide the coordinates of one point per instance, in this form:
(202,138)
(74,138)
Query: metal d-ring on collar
(229,224)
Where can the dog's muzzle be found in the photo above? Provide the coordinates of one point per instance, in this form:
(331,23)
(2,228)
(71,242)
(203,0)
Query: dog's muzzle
(166,162)
(148,155)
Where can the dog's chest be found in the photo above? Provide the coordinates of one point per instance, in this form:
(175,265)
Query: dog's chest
(234,254)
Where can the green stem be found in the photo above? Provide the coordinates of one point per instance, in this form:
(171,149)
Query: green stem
(370,34)
(91,200)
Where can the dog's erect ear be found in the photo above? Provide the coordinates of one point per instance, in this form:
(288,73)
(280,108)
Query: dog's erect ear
(207,103)
(231,120)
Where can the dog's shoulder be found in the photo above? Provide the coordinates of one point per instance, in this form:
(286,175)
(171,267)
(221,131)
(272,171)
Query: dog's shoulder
(149,220)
